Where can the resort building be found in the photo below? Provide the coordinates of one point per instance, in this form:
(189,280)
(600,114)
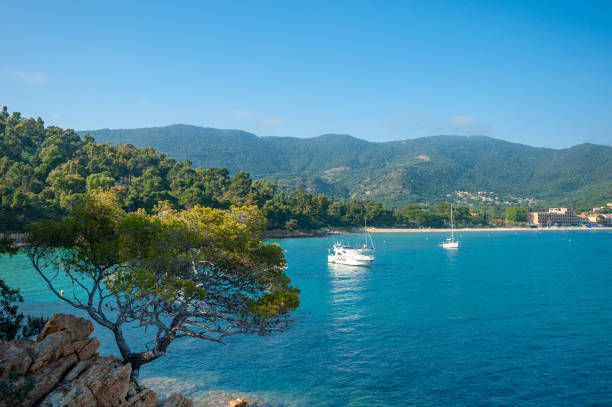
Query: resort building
(583,220)
(554,217)
(607,218)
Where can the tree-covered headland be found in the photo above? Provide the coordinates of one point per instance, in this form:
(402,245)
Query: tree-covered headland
(44,171)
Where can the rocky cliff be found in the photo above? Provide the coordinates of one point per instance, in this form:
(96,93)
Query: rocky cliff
(62,368)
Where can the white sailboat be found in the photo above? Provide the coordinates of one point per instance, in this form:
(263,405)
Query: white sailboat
(451,243)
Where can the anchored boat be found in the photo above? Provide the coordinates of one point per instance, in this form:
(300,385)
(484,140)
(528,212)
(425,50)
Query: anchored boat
(351,256)
(451,243)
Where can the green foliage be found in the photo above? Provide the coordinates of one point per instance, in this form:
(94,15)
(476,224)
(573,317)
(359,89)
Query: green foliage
(394,173)
(12,323)
(15,388)
(516,214)
(44,172)
(200,272)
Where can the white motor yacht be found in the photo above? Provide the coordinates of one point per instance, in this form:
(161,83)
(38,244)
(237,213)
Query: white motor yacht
(348,255)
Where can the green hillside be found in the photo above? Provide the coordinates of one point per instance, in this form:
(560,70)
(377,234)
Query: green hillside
(396,173)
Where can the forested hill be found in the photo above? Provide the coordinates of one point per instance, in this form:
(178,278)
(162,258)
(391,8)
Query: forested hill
(409,171)
(45,170)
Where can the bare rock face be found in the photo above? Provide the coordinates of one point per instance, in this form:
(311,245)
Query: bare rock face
(77,328)
(66,370)
(176,400)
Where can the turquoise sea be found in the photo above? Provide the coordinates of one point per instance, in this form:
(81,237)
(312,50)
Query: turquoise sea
(509,319)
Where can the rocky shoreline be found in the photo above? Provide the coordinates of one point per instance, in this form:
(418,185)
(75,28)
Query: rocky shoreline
(62,368)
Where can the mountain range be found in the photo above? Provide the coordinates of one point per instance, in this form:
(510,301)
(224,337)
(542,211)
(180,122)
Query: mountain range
(421,170)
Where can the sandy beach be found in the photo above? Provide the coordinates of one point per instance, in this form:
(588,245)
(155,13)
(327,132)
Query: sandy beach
(499,229)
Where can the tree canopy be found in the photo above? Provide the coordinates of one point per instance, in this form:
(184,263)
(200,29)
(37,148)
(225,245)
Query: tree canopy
(200,272)
(516,214)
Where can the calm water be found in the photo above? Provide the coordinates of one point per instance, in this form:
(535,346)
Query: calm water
(509,319)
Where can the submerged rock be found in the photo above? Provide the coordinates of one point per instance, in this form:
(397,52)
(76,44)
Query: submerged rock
(62,368)
(237,403)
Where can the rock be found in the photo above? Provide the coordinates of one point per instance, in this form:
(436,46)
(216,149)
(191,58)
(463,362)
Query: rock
(50,376)
(77,370)
(51,348)
(75,397)
(13,358)
(77,328)
(67,371)
(140,397)
(237,403)
(89,349)
(176,400)
(108,380)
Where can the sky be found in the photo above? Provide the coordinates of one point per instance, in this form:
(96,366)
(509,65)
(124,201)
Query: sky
(532,72)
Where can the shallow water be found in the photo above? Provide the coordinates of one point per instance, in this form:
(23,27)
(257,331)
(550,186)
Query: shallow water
(511,318)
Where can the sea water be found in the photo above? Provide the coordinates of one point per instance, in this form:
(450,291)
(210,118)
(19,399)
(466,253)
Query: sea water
(510,318)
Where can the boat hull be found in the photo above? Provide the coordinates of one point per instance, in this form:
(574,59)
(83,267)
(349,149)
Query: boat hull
(450,245)
(349,261)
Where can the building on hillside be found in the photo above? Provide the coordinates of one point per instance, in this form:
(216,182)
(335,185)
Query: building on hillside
(593,218)
(554,217)
(609,204)
(607,217)
(583,220)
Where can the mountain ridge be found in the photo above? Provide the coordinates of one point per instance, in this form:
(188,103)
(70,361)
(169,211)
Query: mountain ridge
(425,169)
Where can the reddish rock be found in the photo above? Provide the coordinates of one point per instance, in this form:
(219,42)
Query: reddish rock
(49,376)
(78,328)
(67,371)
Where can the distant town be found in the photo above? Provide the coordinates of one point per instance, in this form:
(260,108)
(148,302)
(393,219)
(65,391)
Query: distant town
(600,216)
(479,198)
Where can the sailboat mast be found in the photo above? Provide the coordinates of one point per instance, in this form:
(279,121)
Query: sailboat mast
(365,232)
(452,225)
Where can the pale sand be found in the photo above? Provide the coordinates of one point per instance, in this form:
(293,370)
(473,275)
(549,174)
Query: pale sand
(508,229)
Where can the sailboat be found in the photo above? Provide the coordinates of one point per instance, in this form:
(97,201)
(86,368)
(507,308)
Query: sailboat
(451,243)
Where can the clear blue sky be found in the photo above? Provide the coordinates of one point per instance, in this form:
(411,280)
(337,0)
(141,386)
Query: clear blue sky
(534,72)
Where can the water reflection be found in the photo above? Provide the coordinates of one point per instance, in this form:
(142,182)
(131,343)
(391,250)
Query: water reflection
(347,296)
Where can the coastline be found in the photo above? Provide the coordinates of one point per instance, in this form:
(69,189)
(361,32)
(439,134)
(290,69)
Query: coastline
(286,234)
(495,229)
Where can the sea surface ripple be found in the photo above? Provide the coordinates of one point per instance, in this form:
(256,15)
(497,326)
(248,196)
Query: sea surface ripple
(511,318)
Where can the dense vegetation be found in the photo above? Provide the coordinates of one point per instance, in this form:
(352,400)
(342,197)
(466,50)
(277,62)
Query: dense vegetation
(200,273)
(395,173)
(45,170)
(13,324)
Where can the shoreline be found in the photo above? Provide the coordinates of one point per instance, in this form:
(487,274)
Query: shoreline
(495,229)
(285,234)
